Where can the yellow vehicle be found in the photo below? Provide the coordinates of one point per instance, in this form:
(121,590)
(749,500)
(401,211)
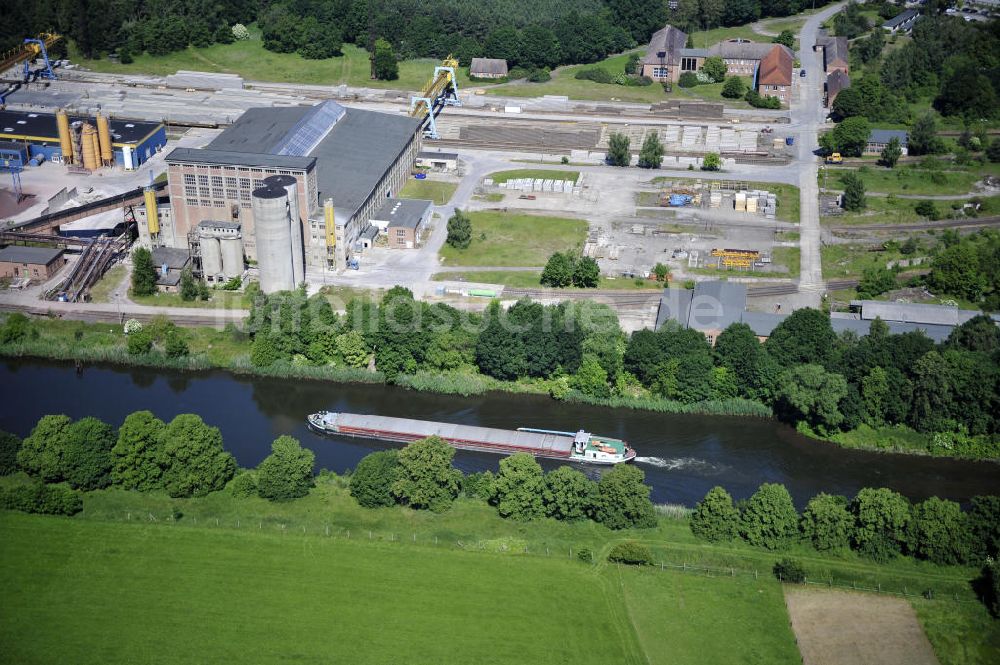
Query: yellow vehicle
(835,158)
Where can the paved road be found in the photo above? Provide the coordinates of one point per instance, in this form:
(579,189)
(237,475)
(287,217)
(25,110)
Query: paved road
(808,115)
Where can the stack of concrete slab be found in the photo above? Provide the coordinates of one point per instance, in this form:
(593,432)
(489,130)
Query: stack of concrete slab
(728,140)
(747,141)
(204,81)
(691,137)
(712,138)
(715,200)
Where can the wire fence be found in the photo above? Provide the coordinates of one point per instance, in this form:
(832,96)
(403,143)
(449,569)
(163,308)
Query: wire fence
(515,545)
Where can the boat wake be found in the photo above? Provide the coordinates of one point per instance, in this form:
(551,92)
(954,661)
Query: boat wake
(686,463)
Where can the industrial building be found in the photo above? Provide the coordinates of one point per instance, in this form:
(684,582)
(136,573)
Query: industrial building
(742,56)
(89,142)
(38,263)
(714,305)
(170,263)
(340,166)
(402,220)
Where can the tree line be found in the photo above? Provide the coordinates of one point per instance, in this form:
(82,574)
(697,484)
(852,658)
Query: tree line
(421,476)
(805,372)
(184,458)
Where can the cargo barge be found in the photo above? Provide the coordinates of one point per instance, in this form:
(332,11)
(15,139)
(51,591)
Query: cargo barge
(578,446)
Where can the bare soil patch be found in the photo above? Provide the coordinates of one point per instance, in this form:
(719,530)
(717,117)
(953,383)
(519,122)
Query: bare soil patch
(847,628)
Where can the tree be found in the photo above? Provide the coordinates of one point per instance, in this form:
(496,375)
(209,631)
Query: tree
(503,43)
(805,336)
(193,459)
(371,482)
(459,230)
(923,138)
(875,281)
(786,37)
(651,154)
(661,272)
(10,444)
(538,47)
(734,88)
(984,526)
(881,520)
(319,41)
(956,271)
(850,136)
(586,273)
(591,379)
(618,150)
(978,334)
(175,346)
(891,152)
(188,286)
(262,351)
(568,494)
(43,451)
(848,103)
(715,68)
(352,348)
(559,269)
(384,60)
(715,518)
(941,532)
(927,209)
(769,519)
(425,478)
(809,393)
(967,92)
(87,458)
(711,162)
(738,349)
(517,488)
(287,473)
(143,273)
(875,396)
(135,456)
(139,342)
(827,523)
(623,500)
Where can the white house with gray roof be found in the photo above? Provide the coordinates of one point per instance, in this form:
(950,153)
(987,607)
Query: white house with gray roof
(879,139)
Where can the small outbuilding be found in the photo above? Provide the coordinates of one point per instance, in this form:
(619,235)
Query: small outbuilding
(488,68)
(401,220)
(38,263)
(170,262)
(879,139)
(902,22)
(439,161)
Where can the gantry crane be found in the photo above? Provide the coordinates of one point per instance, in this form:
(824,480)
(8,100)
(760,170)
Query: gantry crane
(27,52)
(441,90)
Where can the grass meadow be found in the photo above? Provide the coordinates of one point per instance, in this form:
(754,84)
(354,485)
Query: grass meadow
(431,190)
(507,239)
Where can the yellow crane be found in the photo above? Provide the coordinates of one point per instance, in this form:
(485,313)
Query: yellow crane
(30,49)
(441,90)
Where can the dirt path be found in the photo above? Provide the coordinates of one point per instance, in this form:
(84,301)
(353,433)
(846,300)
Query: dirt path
(846,628)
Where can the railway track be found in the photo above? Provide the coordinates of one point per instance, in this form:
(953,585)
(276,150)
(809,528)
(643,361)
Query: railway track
(923,226)
(214,318)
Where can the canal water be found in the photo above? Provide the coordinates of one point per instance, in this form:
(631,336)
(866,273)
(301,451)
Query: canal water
(683,456)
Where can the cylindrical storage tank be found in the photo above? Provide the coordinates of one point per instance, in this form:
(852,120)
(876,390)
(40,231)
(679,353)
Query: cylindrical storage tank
(76,150)
(232,256)
(88,144)
(104,140)
(291,186)
(273,231)
(65,139)
(211,257)
(152,220)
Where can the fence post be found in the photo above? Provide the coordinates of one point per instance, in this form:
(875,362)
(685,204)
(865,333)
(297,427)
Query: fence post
(755,573)
(216,521)
(128,517)
(328,529)
(348,534)
(546,551)
(878,586)
(369,534)
(732,572)
(414,537)
(435,540)
(237,524)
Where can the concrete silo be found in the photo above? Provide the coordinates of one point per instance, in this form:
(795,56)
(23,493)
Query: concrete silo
(232,256)
(279,238)
(211,256)
(291,186)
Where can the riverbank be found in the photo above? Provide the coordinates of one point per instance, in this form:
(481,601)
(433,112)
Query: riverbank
(229,350)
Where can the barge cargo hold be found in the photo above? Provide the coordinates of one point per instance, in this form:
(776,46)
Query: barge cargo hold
(578,446)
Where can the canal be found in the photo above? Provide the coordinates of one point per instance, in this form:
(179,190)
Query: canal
(683,456)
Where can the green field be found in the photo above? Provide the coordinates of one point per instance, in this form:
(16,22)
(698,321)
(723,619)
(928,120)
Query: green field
(843,261)
(712,92)
(252,61)
(543,174)
(507,239)
(961,633)
(432,190)
(881,210)
(217,299)
(101,291)
(155,594)
(905,180)
(530,279)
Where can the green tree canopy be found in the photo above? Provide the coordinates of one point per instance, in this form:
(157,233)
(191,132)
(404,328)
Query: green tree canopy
(804,337)
(769,519)
(715,68)
(143,273)
(827,523)
(891,153)
(42,452)
(941,532)
(586,273)
(738,349)
(651,153)
(623,500)
(568,494)
(809,393)
(559,270)
(459,230)
(87,459)
(385,67)
(618,150)
(849,137)
(10,444)
(711,162)
(372,480)
(517,488)
(715,518)
(425,478)
(786,37)
(135,456)
(734,88)
(923,138)
(287,473)
(881,522)
(193,459)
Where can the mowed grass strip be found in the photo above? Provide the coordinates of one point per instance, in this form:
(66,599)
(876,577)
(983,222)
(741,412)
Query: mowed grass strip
(86,592)
(430,190)
(506,239)
(688,618)
(905,180)
(538,174)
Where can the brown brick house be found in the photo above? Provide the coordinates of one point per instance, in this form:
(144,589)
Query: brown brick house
(742,56)
(37,263)
(666,56)
(774,75)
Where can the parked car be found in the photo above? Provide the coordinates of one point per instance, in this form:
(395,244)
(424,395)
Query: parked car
(802,73)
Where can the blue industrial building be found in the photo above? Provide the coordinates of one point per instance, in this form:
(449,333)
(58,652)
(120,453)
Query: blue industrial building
(133,141)
(13,154)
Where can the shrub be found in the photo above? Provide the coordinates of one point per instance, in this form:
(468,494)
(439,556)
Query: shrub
(631,553)
(287,473)
(37,497)
(585,554)
(688,80)
(769,519)
(927,209)
(711,162)
(10,444)
(372,480)
(789,570)
(539,76)
(733,88)
(240,32)
(595,74)
(244,485)
(714,517)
